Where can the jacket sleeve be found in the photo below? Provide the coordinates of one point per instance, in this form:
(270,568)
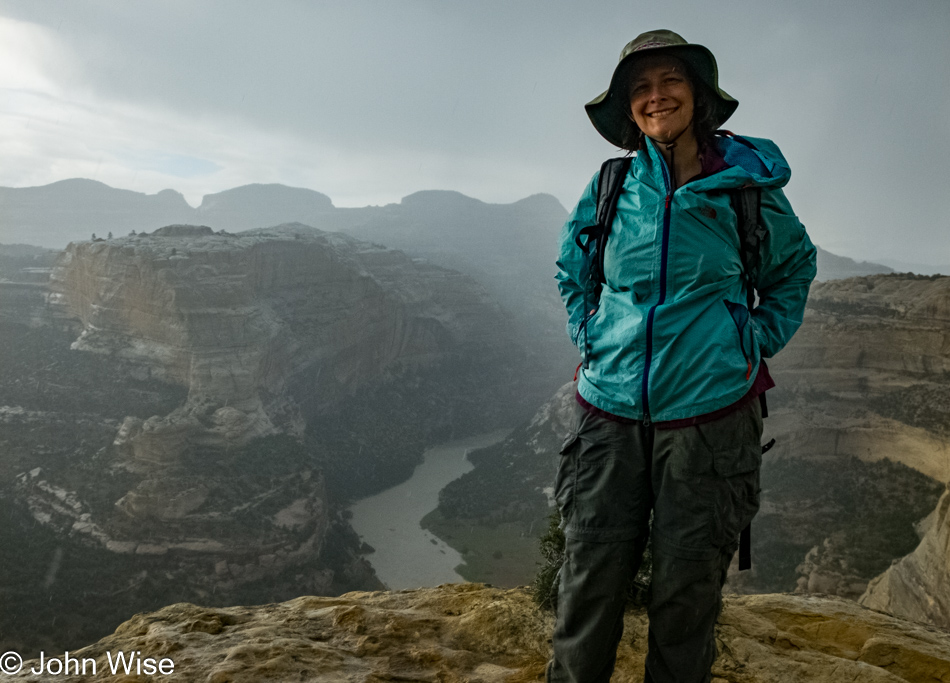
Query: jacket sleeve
(572,268)
(787,269)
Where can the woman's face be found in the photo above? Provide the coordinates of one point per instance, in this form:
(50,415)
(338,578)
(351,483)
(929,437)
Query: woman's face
(661,98)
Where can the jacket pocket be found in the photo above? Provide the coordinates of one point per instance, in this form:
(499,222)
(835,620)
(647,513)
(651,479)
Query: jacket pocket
(741,317)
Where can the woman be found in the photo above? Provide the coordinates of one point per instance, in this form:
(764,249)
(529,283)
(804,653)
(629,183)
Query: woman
(667,417)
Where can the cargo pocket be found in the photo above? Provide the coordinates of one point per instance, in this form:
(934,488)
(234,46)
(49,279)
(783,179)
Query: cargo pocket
(566,478)
(609,497)
(737,499)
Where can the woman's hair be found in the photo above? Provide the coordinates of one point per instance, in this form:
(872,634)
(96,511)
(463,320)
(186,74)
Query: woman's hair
(704,113)
(704,121)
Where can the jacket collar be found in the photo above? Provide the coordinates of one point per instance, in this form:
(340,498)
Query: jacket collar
(751,161)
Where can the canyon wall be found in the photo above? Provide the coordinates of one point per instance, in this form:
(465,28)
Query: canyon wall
(235,318)
(185,413)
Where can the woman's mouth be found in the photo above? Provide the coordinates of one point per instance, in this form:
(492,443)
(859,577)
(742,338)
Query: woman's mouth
(663,113)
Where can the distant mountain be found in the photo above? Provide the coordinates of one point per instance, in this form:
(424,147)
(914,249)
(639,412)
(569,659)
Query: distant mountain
(510,248)
(833,267)
(257,206)
(918,268)
(433,223)
(71,210)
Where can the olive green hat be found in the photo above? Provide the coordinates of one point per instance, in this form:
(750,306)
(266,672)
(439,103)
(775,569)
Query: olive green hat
(610,111)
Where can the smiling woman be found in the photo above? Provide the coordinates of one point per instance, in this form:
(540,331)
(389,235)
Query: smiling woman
(670,390)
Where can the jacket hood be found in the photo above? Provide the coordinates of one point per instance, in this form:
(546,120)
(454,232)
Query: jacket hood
(752,161)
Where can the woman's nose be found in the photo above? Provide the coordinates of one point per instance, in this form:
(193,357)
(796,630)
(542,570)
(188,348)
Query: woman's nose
(655,92)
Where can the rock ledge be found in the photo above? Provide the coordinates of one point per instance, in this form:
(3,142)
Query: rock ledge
(471,632)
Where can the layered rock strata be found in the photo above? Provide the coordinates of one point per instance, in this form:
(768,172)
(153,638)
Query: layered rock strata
(868,377)
(917,587)
(470,632)
(235,317)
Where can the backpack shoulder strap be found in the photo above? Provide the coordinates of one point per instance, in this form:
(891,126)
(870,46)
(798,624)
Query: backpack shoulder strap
(612,174)
(746,202)
(609,186)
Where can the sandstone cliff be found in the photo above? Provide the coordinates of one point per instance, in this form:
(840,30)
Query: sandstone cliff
(917,587)
(473,633)
(235,318)
(868,377)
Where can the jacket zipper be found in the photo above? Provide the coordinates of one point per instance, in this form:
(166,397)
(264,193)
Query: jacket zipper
(664,254)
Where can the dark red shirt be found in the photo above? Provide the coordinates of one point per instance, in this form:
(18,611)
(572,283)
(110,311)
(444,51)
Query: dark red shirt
(763,382)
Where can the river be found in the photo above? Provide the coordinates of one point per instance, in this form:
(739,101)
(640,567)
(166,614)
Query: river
(408,556)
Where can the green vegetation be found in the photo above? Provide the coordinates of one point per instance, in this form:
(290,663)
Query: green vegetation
(920,405)
(503,488)
(551,544)
(40,372)
(873,506)
(501,554)
(412,411)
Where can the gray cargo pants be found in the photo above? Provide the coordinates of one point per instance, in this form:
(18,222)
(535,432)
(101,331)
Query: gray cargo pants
(702,483)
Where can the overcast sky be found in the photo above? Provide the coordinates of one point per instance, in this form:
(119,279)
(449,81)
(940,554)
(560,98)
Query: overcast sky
(370,101)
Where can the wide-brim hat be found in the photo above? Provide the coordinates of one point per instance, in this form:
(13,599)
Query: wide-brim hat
(610,111)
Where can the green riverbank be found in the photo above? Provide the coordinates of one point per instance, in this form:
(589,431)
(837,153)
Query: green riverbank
(504,555)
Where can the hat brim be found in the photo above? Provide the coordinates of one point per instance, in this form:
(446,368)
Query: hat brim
(609,111)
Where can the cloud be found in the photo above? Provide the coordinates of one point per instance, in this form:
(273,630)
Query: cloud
(29,54)
(370,101)
(177,165)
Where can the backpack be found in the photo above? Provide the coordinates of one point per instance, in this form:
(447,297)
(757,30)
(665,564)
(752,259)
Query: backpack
(746,202)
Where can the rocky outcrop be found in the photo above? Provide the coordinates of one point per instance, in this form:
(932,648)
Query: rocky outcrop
(236,318)
(881,326)
(917,587)
(470,632)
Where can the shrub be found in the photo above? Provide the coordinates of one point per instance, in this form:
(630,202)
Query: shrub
(551,544)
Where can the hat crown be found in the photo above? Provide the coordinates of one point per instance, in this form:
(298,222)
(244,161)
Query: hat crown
(651,40)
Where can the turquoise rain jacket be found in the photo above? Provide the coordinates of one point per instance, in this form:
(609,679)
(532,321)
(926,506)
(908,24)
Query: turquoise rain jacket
(670,336)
